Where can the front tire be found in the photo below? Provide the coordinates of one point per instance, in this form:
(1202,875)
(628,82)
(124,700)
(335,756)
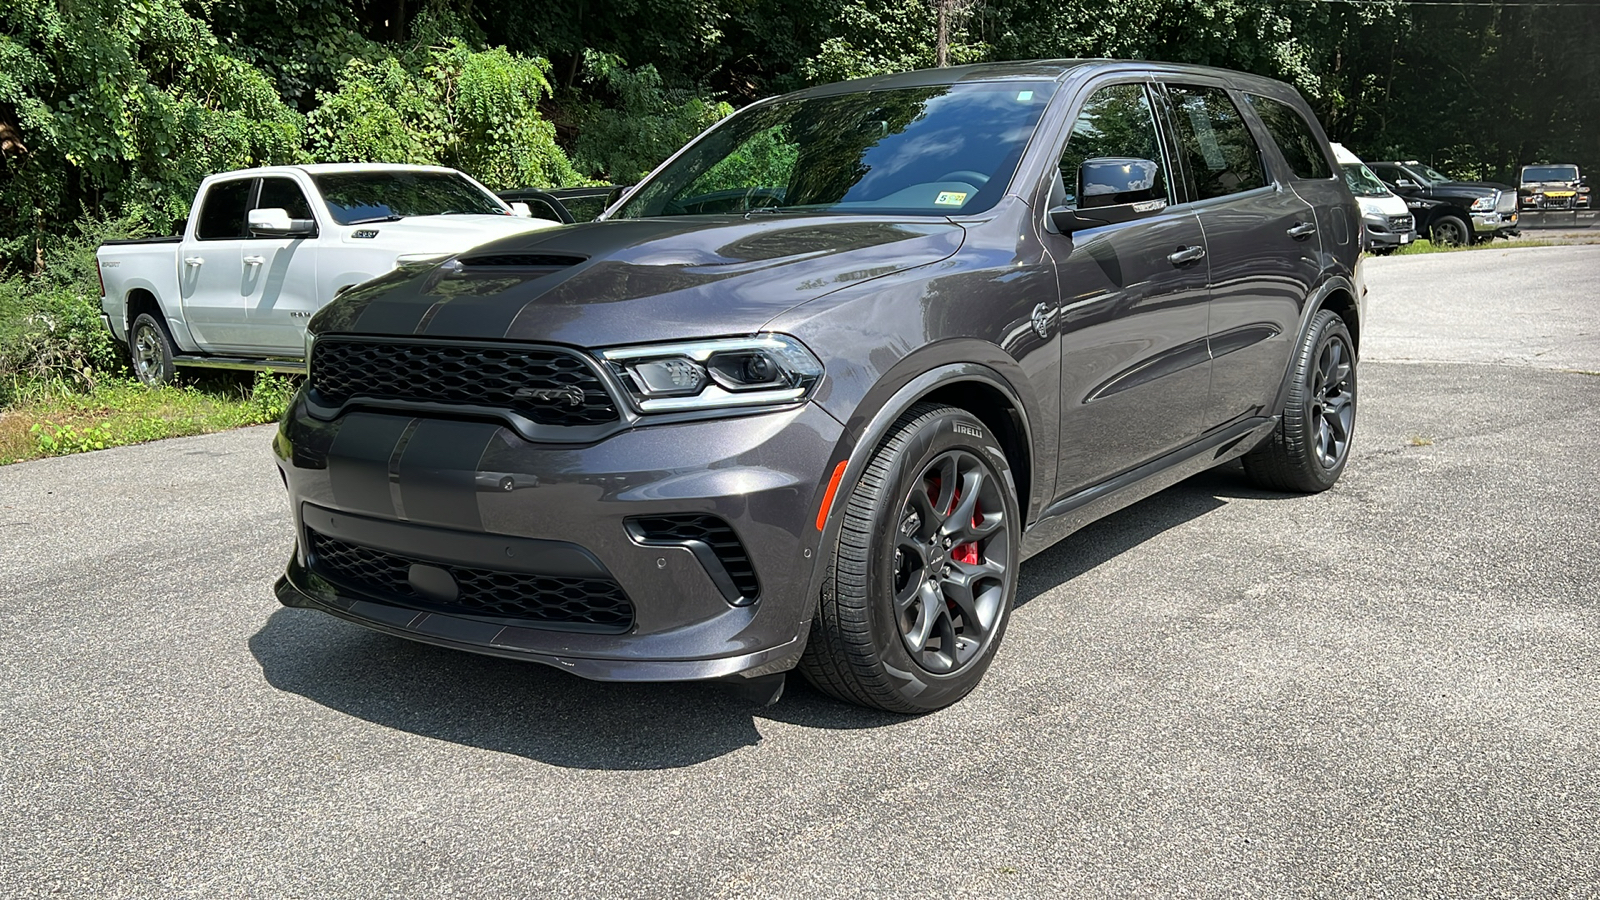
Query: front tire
(924,571)
(151,349)
(1450,231)
(1309,448)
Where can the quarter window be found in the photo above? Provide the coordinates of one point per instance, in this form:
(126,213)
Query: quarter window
(1116,122)
(222,212)
(1294,137)
(1221,154)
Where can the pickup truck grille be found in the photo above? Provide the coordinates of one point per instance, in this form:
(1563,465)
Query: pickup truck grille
(1505,201)
(588,604)
(547,385)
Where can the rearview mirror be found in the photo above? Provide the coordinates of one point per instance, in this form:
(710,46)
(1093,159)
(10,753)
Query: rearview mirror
(1112,190)
(274,222)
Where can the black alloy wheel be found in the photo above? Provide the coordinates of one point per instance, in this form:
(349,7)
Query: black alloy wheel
(1450,231)
(922,577)
(1308,450)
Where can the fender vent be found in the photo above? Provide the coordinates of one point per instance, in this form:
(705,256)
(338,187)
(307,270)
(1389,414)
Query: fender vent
(520,261)
(713,543)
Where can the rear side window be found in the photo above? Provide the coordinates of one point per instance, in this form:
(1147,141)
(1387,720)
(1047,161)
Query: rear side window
(222,211)
(284,194)
(1294,137)
(1116,122)
(1221,154)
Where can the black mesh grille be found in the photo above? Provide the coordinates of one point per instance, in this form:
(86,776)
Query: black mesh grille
(598,603)
(521,260)
(1401,223)
(713,531)
(550,387)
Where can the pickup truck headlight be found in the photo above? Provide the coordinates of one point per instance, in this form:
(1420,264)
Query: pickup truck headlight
(764,370)
(1485,204)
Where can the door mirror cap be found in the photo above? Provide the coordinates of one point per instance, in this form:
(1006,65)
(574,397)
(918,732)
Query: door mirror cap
(1112,190)
(1405,184)
(274,222)
(521,210)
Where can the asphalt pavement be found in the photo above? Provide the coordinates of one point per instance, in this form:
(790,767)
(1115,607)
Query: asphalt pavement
(1389,689)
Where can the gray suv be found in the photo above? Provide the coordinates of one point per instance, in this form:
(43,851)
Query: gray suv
(810,394)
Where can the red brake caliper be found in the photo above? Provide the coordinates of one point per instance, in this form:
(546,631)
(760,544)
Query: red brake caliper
(968,553)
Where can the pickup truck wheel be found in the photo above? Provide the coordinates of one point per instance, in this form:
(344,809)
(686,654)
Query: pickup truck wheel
(151,350)
(1308,449)
(1450,231)
(922,578)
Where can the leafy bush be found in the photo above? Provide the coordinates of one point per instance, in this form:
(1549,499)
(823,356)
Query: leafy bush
(643,125)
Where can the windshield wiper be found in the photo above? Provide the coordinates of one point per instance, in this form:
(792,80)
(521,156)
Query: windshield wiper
(389,218)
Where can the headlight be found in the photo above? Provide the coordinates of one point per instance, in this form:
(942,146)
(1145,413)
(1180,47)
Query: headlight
(1484,204)
(767,369)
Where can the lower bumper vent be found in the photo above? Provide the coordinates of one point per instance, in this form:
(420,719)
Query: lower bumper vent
(713,542)
(588,604)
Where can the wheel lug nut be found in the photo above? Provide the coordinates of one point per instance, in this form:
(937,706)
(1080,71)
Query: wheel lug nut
(947,543)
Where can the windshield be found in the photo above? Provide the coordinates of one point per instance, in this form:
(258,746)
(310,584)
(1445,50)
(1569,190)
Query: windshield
(1534,174)
(941,150)
(1362,182)
(356,197)
(1430,174)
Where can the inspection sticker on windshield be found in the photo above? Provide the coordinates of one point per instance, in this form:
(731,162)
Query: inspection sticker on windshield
(951,198)
(1024,96)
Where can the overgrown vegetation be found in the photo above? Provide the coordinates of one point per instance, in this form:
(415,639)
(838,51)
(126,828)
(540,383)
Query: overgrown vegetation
(111,111)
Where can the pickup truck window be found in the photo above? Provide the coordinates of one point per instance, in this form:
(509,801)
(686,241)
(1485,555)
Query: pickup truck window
(1293,135)
(284,194)
(1222,155)
(942,150)
(356,197)
(222,211)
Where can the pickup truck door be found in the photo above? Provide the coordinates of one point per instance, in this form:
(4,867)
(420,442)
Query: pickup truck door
(280,274)
(210,268)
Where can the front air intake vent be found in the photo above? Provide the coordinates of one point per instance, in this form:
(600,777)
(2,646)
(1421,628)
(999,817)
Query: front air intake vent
(519,261)
(713,543)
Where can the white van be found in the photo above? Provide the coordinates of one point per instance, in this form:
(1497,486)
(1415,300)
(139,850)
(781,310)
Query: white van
(1390,224)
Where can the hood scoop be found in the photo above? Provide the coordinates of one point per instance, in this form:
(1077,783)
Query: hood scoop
(519,261)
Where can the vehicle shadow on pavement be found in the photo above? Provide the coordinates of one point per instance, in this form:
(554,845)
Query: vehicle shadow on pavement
(537,712)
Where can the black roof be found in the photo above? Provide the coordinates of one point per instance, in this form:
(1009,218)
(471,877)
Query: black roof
(1034,70)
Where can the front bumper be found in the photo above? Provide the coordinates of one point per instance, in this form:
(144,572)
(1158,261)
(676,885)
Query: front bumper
(1493,222)
(1383,231)
(475,496)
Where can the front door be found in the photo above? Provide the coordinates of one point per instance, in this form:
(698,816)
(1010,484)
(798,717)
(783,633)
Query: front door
(280,275)
(1135,372)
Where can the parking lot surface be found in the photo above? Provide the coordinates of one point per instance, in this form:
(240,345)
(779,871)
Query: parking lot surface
(1390,689)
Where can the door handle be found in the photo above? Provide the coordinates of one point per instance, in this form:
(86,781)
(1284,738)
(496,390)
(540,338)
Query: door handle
(1186,255)
(194,261)
(1302,230)
(254,260)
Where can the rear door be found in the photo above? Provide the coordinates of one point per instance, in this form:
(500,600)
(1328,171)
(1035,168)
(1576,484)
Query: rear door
(1135,371)
(280,275)
(1263,244)
(211,268)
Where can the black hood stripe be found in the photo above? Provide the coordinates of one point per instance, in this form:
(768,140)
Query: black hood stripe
(437,475)
(358,462)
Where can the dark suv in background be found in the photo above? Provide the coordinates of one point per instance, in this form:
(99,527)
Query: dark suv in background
(814,390)
(1449,211)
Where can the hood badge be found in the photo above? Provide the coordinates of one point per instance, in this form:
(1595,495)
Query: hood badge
(570,395)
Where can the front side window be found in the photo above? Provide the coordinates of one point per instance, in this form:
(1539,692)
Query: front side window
(939,150)
(354,198)
(1221,154)
(1117,122)
(222,213)
(284,194)
(1294,137)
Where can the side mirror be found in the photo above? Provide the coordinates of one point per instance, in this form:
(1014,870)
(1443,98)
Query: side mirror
(274,222)
(1406,184)
(521,210)
(617,193)
(1112,190)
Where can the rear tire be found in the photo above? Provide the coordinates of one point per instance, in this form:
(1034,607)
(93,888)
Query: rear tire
(151,349)
(1450,231)
(1309,448)
(924,572)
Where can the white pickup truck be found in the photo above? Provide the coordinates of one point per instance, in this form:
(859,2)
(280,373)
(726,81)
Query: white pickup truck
(266,248)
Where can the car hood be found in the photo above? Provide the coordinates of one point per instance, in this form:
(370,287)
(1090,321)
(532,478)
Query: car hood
(441,234)
(631,281)
(1387,205)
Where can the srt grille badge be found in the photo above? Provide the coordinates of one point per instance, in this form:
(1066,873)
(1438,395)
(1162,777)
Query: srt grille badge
(571,395)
